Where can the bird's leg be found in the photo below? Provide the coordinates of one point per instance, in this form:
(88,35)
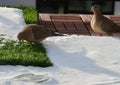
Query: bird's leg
(110,34)
(101,34)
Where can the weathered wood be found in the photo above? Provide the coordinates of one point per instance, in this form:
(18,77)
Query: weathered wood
(73,23)
(44,19)
(59,26)
(65,17)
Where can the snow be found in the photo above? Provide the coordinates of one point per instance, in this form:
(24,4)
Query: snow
(11,20)
(78,60)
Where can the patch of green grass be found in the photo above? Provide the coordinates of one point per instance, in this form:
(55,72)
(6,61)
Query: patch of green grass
(29,13)
(22,53)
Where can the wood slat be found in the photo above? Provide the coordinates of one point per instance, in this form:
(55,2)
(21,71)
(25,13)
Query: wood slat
(48,25)
(45,20)
(115,18)
(81,28)
(44,17)
(116,34)
(73,23)
(86,19)
(59,26)
(70,24)
(65,17)
(108,16)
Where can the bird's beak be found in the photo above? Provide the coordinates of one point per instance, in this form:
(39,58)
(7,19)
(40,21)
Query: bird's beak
(19,36)
(90,11)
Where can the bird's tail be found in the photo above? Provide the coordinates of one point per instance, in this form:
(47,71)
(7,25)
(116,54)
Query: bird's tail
(116,28)
(57,34)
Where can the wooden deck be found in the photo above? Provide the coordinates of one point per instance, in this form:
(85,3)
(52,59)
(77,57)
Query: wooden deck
(73,23)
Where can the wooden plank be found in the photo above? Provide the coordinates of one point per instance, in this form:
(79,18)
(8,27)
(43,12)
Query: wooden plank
(74,32)
(116,34)
(66,27)
(86,20)
(69,26)
(59,26)
(65,17)
(44,17)
(115,18)
(86,17)
(48,25)
(70,23)
(81,28)
(64,22)
(73,23)
(108,16)
(117,22)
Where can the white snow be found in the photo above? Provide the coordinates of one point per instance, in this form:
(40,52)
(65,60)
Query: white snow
(11,20)
(78,60)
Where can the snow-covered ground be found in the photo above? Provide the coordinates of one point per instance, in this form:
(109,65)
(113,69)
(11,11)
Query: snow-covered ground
(78,60)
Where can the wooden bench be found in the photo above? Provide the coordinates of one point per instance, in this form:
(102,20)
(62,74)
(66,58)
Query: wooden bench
(73,23)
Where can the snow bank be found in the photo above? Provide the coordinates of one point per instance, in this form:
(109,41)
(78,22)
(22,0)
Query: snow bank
(11,22)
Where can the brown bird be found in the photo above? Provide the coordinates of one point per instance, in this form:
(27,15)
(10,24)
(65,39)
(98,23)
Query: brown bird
(34,33)
(102,24)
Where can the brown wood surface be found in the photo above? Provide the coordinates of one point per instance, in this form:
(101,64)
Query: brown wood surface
(73,23)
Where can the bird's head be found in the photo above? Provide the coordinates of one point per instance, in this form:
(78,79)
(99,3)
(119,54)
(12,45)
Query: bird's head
(95,8)
(20,36)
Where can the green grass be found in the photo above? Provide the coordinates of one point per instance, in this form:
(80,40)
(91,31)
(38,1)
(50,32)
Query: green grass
(29,13)
(22,53)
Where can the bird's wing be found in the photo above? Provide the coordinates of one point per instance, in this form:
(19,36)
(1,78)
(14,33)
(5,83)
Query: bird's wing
(39,33)
(108,25)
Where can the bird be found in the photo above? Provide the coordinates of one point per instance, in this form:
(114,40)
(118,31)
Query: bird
(34,33)
(101,24)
